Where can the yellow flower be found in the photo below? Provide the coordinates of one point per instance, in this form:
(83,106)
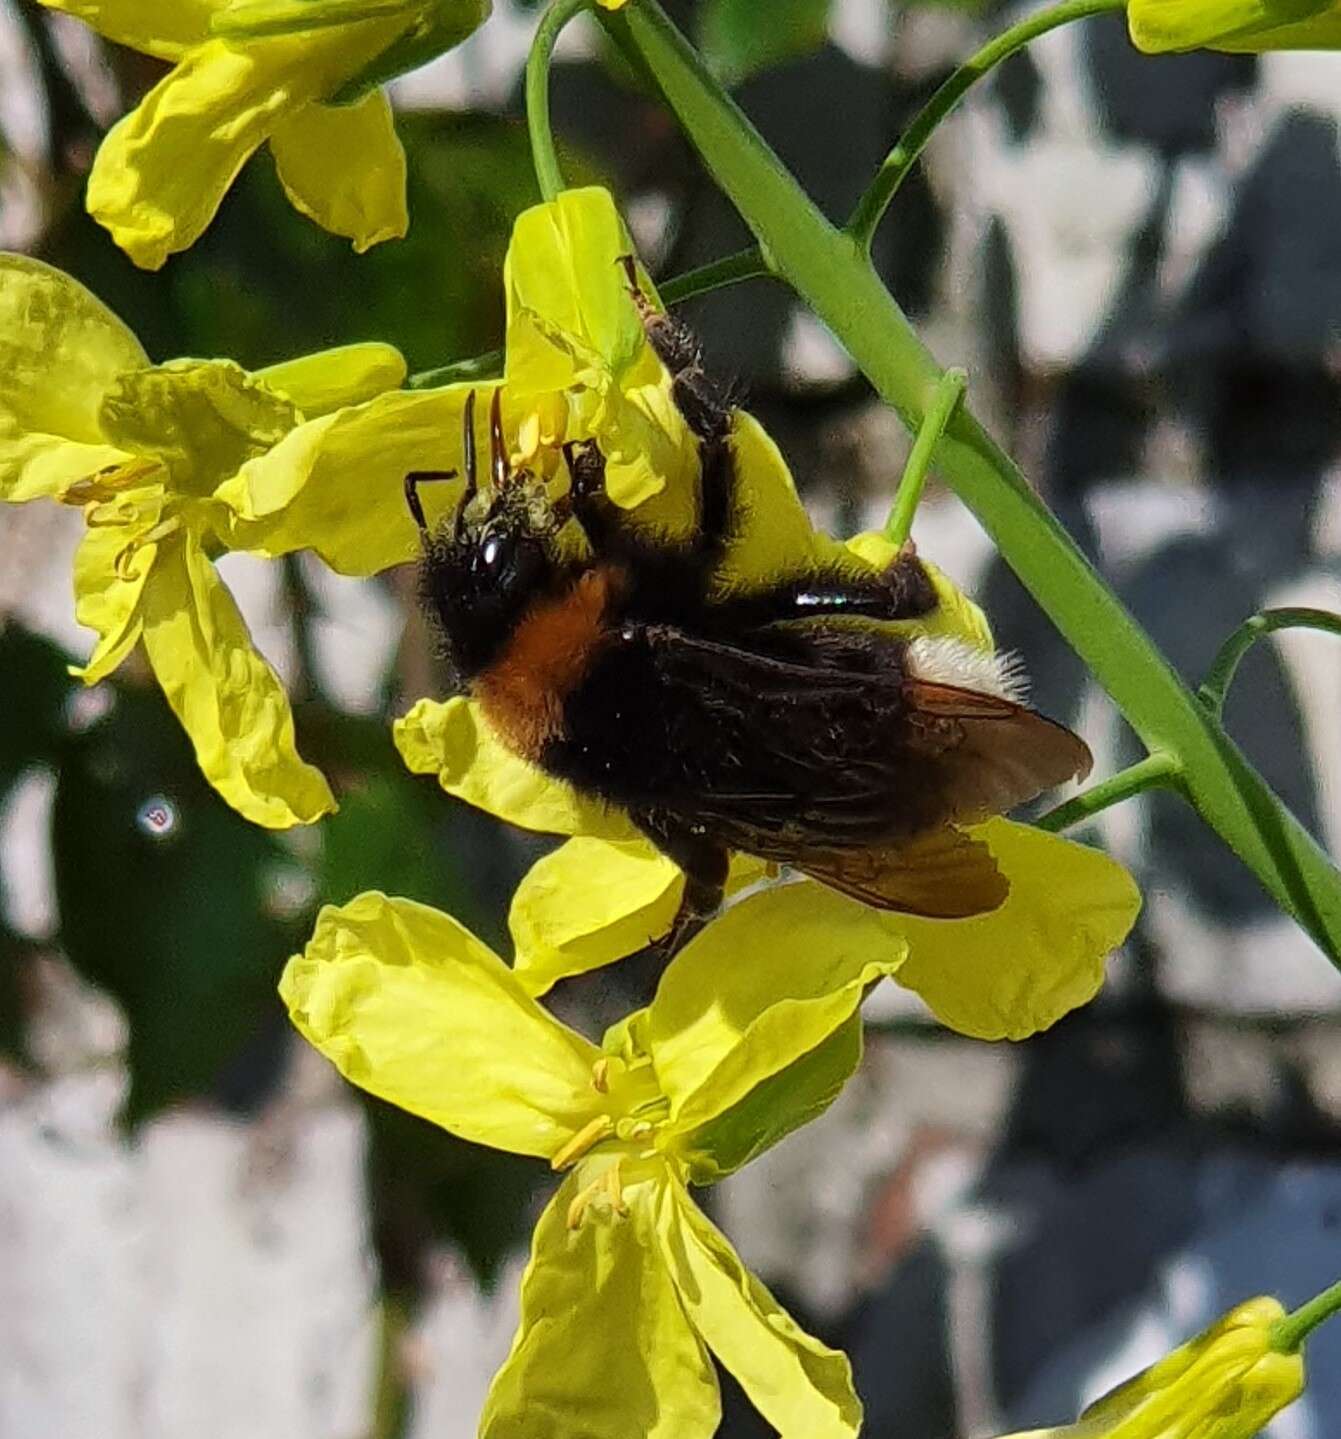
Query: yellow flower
(245,73)
(754,1029)
(1242,25)
(578,364)
(1224,1384)
(143,449)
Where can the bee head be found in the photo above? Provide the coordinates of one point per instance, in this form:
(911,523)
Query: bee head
(486,566)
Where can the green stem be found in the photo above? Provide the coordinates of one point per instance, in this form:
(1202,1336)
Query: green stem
(1288,1334)
(1221,674)
(1153,771)
(946,400)
(543,153)
(743,265)
(478,367)
(901,159)
(831,272)
(391,1395)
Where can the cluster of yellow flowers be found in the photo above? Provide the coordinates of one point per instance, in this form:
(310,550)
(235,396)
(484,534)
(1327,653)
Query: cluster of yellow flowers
(755,1026)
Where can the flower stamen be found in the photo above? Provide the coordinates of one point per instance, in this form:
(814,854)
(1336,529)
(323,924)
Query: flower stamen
(590,1134)
(610,1184)
(125,556)
(108,484)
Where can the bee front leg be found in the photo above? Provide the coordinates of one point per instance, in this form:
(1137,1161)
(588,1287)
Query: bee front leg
(704,401)
(589,503)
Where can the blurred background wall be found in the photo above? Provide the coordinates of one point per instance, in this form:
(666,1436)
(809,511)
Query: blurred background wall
(203,1232)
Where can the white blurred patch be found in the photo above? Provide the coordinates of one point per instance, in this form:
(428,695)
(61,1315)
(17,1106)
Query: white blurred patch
(940,660)
(355,631)
(37,547)
(255,584)
(863,29)
(85,62)
(25,856)
(810,353)
(484,71)
(23,109)
(1070,200)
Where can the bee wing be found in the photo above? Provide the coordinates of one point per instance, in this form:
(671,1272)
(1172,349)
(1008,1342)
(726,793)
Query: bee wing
(990,754)
(940,875)
(815,747)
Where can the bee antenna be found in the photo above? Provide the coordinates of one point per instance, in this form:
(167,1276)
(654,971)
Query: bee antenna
(468,451)
(497,450)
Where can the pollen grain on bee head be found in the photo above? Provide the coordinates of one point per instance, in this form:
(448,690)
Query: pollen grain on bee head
(942,660)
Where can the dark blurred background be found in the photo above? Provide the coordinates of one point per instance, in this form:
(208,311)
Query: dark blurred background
(202,1231)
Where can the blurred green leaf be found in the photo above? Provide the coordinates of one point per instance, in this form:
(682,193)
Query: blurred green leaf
(391,832)
(169,900)
(739,38)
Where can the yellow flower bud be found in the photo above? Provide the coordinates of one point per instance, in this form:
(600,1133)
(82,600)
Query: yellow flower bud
(1226,1383)
(1238,25)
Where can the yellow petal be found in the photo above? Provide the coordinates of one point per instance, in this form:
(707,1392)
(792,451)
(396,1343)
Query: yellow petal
(590,903)
(1010,973)
(337,484)
(409,1005)
(201,419)
(562,271)
(343,166)
(331,379)
(773,1109)
(108,592)
(572,326)
(802,1387)
(164,28)
(452,739)
(604,1350)
(229,701)
(775,536)
(593,901)
(44,466)
(162,170)
(760,987)
(60,349)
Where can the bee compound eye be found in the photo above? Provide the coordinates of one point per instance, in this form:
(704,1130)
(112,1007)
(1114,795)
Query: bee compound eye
(493,553)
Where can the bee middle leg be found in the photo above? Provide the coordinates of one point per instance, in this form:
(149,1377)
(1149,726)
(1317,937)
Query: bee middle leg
(902,591)
(705,863)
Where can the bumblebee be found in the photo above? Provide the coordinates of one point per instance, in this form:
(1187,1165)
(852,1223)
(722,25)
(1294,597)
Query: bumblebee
(781,720)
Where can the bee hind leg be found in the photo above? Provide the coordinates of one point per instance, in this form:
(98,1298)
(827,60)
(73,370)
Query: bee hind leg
(705,864)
